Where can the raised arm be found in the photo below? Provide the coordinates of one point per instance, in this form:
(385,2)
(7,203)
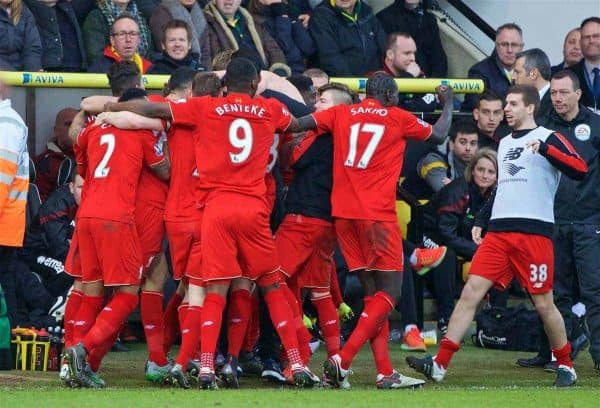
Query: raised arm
(77,124)
(561,154)
(141,107)
(130,120)
(442,126)
(95,103)
(302,124)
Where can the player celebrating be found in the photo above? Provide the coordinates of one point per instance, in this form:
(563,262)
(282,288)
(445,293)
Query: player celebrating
(107,237)
(369,141)
(235,225)
(518,242)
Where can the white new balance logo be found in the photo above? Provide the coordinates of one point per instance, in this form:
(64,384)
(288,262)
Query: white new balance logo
(108,309)
(280,325)
(363,314)
(207,323)
(185,331)
(235,320)
(330,322)
(149,327)
(79,323)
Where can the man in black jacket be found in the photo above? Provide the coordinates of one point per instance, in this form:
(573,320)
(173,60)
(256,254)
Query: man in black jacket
(577,214)
(532,67)
(349,39)
(412,17)
(496,70)
(61,35)
(588,69)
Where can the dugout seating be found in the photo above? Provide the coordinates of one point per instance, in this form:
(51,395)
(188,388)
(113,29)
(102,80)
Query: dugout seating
(34,201)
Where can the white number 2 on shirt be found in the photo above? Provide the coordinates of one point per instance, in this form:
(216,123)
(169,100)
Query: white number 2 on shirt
(376,132)
(244,143)
(102,170)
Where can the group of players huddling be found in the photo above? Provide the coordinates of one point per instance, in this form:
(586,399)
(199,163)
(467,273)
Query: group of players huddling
(211,192)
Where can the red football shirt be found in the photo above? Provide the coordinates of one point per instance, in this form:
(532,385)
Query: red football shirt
(114,158)
(233,139)
(369,142)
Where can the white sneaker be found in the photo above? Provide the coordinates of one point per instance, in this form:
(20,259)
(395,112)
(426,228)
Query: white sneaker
(333,370)
(396,381)
(427,366)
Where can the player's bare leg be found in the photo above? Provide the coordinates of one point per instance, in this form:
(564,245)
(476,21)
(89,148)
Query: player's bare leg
(554,326)
(435,367)
(238,317)
(151,309)
(190,331)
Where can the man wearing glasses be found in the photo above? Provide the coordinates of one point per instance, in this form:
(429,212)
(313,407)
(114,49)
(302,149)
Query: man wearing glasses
(124,42)
(496,70)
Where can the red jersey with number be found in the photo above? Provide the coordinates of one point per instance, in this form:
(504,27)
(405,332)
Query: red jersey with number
(369,141)
(114,159)
(233,138)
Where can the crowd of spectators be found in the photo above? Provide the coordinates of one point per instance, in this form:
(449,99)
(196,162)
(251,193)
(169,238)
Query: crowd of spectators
(306,42)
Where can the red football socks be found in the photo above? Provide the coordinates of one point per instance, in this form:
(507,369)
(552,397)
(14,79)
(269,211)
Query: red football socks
(238,316)
(281,316)
(190,335)
(329,324)
(336,293)
(171,321)
(212,318)
(86,316)
(253,331)
(381,352)
(151,309)
(96,355)
(110,319)
(563,355)
(446,351)
(71,309)
(302,333)
(371,319)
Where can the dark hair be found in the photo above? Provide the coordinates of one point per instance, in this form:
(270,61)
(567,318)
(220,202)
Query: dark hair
(122,76)
(206,83)
(592,19)
(173,24)
(509,26)
(391,39)
(567,73)
(380,83)
(133,93)
(251,55)
(240,71)
(536,58)
(530,95)
(490,96)
(347,95)
(462,126)
(121,16)
(302,82)
(180,79)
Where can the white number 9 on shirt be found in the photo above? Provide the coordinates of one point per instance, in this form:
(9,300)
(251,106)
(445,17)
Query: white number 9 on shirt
(244,142)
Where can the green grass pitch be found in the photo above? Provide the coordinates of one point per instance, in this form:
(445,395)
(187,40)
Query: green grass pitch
(477,378)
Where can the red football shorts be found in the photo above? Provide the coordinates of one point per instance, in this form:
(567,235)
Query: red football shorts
(184,244)
(370,245)
(109,252)
(504,255)
(305,246)
(236,238)
(149,221)
(73,261)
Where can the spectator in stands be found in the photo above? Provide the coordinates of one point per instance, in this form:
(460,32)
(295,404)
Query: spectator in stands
(412,17)
(291,35)
(97,29)
(571,51)
(307,89)
(577,216)
(14,168)
(124,42)
(488,113)
(350,40)
(496,70)
(233,27)
(59,150)
(588,69)
(191,12)
(177,50)
(49,236)
(532,67)
(438,169)
(20,47)
(399,62)
(61,35)
(318,77)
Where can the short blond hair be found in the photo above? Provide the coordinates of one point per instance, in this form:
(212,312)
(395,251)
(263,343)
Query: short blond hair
(483,153)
